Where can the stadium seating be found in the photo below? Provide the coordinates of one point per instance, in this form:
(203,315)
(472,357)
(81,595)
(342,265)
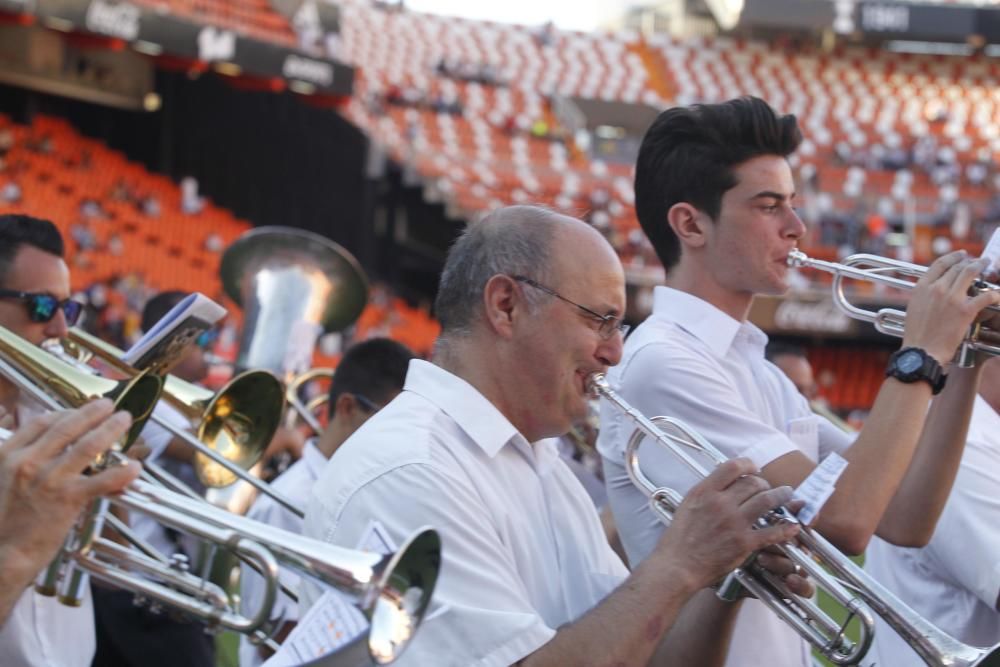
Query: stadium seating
(95,195)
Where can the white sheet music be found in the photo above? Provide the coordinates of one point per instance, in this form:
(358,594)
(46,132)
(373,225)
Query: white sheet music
(818,487)
(334,621)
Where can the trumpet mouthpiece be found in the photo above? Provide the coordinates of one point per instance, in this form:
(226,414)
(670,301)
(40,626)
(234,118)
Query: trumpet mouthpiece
(797,258)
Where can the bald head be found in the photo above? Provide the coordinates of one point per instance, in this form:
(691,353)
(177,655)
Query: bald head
(516,241)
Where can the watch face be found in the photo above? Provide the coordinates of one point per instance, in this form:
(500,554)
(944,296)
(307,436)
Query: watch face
(910,361)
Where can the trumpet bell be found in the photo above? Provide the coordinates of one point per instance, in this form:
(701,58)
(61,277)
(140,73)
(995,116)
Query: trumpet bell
(238,422)
(73,387)
(404,593)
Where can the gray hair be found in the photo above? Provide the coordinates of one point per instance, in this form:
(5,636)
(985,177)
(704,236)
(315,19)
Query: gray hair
(515,240)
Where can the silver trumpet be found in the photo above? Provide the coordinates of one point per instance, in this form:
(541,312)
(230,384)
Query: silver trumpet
(900,275)
(859,594)
(392,590)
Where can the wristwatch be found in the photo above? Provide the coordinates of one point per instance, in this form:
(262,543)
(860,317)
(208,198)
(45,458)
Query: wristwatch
(911,364)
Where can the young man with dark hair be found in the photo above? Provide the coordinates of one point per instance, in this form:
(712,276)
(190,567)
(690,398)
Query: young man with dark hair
(370,375)
(714,194)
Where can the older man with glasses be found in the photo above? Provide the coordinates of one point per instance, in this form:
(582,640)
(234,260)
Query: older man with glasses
(528,577)
(35,304)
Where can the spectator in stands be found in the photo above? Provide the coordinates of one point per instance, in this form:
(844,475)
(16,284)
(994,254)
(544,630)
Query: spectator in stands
(6,141)
(369,376)
(11,192)
(191,203)
(150,206)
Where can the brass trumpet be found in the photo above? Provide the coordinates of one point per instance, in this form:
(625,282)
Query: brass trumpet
(900,275)
(847,583)
(307,411)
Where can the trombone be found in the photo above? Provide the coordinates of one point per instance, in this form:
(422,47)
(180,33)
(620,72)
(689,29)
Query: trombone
(67,386)
(393,591)
(901,275)
(232,427)
(847,583)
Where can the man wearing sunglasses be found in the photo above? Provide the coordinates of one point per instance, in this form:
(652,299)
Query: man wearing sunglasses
(369,376)
(35,305)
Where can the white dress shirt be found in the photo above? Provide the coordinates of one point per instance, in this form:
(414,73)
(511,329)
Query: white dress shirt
(43,632)
(157,438)
(691,361)
(954,581)
(523,550)
(295,484)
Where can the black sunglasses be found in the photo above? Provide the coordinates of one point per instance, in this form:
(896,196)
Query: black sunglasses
(43,307)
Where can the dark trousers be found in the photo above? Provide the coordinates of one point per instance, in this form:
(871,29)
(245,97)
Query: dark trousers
(130,636)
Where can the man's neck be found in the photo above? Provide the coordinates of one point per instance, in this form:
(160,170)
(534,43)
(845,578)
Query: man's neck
(687,278)
(464,359)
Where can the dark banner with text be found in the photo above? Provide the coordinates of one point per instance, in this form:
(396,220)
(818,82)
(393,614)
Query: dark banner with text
(155,33)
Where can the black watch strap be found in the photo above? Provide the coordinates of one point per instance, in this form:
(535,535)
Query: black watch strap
(912,364)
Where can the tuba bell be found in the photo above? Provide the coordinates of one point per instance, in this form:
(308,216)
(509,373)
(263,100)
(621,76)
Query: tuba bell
(293,285)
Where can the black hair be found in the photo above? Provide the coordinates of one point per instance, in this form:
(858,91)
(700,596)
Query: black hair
(689,153)
(17,230)
(158,306)
(375,369)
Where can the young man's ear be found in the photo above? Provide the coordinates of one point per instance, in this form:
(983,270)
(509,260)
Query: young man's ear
(346,405)
(500,298)
(688,223)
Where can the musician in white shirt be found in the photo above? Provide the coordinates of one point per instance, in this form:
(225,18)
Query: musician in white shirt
(530,304)
(954,581)
(370,375)
(35,304)
(715,194)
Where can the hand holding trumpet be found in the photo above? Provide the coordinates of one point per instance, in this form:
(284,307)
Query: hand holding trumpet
(43,488)
(941,309)
(713,531)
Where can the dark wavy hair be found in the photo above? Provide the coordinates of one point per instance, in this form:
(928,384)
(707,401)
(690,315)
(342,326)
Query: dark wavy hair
(689,155)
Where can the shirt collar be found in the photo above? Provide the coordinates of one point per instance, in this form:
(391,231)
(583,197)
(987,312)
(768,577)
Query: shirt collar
(698,317)
(473,413)
(314,459)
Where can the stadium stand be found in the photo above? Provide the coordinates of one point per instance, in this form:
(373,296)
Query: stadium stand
(129,236)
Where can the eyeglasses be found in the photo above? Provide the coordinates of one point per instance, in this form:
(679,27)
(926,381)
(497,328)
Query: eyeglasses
(43,307)
(366,403)
(609,323)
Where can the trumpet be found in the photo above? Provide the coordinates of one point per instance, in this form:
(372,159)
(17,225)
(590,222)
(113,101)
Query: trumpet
(307,411)
(849,585)
(901,275)
(393,591)
(232,428)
